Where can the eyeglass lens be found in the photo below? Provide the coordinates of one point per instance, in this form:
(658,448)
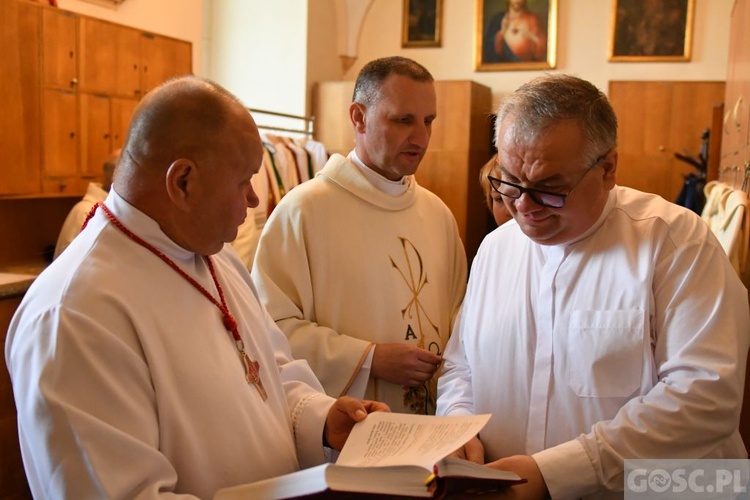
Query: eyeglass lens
(541,197)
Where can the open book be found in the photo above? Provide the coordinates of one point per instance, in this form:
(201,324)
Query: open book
(389,454)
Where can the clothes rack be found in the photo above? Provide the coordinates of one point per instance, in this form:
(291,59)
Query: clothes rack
(288,160)
(307,128)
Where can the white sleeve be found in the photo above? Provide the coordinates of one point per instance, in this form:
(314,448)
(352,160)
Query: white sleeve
(455,395)
(308,404)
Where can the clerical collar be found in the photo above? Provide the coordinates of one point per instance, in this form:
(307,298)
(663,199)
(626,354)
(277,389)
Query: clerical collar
(393,188)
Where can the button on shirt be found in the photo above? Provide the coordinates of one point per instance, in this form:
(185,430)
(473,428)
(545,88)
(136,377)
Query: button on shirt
(629,342)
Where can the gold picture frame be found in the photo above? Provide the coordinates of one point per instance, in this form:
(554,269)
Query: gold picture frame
(651,31)
(515,35)
(422,22)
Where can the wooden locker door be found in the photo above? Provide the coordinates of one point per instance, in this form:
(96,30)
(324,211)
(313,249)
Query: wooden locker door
(122,112)
(60,135)
(19,98)
(644,113)
(163,58)
(59,49)
(152,62)
(96,136)
(97,44)
(128,65)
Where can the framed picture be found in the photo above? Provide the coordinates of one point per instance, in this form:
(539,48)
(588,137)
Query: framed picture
(421,24)
(651,30)
(515,35)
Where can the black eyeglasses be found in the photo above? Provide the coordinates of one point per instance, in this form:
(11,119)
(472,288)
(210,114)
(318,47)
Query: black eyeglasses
(544,198)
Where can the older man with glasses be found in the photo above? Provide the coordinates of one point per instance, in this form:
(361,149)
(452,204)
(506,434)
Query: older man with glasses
(603,323)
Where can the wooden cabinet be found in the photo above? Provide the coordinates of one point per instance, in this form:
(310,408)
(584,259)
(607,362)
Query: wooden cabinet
(20,141)
(459,146)
(68,86)
(657,120)
(116,69)
(121,61)
(163,58)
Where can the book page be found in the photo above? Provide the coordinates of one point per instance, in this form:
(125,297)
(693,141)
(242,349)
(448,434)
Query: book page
(404,439)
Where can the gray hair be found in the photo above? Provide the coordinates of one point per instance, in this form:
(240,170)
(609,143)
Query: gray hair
(373,74)
(547,100)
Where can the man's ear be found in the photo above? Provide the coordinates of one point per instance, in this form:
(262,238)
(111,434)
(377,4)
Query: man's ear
(357,114)
(610,169)
(182,182)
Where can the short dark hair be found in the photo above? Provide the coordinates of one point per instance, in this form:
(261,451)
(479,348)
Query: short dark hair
(374,73)
(547,100)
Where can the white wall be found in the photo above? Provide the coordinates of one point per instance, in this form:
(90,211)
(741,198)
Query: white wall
(323,61)
(258,51)
(583,38)
(182,19)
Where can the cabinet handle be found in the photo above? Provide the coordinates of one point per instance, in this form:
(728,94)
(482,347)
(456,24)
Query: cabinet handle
(72,135)
(106,136)
(74,82)
(661,148)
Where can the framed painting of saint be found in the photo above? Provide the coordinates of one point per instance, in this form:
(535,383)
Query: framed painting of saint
(515,35)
